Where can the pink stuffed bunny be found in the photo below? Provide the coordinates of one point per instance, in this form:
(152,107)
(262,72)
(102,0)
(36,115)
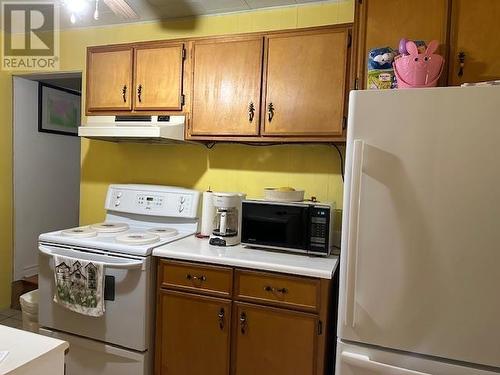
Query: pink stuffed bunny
(419,69)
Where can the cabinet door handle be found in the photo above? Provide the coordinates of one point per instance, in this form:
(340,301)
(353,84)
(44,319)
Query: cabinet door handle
(461,62)
(221,316)
(139,93)
(124,93)
(243,322)
(270,112)
(251,111)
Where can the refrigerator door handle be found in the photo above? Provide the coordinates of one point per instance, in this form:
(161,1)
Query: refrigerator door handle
(352,239)
(364,362)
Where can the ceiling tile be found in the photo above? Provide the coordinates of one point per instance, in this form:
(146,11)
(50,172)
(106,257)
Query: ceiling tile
(170,9)
(315,1)
(255,4)
(224,5)
(158,9)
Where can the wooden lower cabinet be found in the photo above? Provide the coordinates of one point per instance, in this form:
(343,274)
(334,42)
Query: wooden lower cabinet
(245,332)
(273,341)
(192,334)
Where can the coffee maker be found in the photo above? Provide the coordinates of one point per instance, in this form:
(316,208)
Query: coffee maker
(227,219)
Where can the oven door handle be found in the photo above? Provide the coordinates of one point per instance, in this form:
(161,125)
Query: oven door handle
(104,259)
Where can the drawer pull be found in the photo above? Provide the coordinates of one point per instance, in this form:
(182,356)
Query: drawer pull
(221,315)
(243,322)
(270,289)
(196,278)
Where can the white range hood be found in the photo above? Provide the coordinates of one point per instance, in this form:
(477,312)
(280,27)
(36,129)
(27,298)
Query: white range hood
(143,129)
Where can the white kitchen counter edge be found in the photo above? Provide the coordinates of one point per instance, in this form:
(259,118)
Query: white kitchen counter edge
(25,347)
(198,250)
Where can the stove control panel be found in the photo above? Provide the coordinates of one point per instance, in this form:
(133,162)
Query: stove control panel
(158,201)
(149,201)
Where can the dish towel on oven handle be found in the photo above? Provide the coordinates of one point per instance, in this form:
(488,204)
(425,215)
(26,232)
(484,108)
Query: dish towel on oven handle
(79,285)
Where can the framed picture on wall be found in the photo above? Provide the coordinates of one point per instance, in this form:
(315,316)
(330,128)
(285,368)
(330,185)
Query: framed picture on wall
(59,110)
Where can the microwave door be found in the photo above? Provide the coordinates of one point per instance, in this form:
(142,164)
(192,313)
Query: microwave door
(278,226)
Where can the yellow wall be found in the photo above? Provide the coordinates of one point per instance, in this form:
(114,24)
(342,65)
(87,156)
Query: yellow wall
(225,167)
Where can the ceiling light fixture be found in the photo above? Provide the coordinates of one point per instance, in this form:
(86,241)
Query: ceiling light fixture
(77,8)
(96,11)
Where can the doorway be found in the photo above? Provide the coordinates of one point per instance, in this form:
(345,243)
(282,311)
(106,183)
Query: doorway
(46,174)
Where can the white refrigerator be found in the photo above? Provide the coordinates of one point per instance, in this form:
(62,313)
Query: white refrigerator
(420,259)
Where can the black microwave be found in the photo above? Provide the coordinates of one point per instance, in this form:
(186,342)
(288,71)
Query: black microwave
(303,227)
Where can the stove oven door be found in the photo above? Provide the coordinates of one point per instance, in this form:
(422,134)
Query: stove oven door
(129,298)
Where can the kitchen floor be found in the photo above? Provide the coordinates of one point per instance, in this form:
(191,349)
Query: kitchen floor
(11,318)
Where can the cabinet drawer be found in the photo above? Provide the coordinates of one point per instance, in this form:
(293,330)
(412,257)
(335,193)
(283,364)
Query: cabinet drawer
(299,293)
(195,277)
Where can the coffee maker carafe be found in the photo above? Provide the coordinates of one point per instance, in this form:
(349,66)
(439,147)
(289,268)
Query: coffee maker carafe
(227,219)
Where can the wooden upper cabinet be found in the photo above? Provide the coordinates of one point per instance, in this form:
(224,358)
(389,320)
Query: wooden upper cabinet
(278,86)
(192,334)
(382,23)
(475,26)
(226,86)
(270,341)
(158,77)
(306,83)
(109,78)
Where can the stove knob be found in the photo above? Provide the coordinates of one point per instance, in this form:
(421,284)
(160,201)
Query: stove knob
(117,203)
(183,199)
(119,194)
(181,208)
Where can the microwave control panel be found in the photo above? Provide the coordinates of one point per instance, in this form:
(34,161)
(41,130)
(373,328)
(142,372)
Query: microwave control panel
(319,230)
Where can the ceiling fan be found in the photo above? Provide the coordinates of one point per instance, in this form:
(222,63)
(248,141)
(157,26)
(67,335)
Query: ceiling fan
(119,7)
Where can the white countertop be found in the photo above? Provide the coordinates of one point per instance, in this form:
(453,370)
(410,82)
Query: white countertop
(198,250)
(25,347)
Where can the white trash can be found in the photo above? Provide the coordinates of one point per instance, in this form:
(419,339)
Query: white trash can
(29,307)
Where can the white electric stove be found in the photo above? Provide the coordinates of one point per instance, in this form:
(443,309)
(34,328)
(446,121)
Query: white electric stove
(138,219)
